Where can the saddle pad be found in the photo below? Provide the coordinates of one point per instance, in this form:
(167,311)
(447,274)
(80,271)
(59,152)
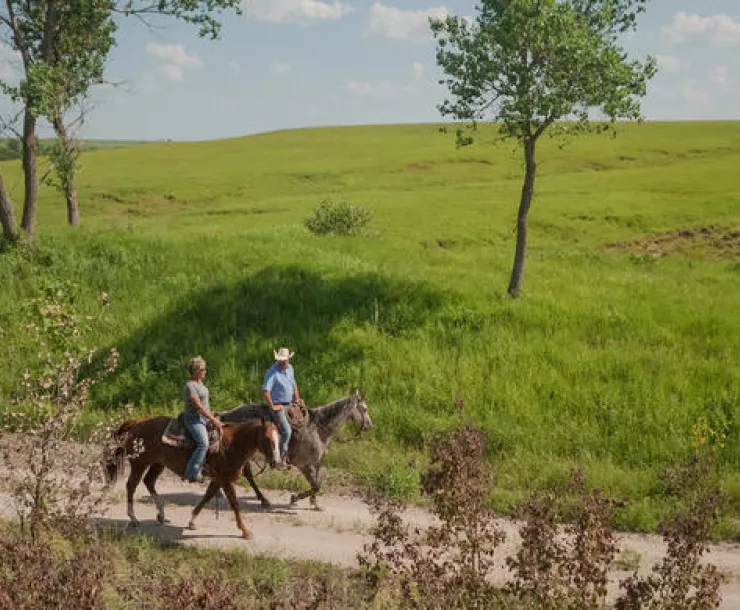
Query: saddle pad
(176,435)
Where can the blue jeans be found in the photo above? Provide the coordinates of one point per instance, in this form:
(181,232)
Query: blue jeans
(281,419)
(197,429)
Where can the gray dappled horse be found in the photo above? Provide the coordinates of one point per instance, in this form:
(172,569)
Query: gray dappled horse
(310,442)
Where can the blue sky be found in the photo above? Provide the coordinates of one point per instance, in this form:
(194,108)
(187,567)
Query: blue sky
(300,63)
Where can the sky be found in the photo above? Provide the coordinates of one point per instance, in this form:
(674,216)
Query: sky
(304,63)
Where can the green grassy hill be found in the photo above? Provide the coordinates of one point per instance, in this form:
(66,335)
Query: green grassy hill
(10,148)
(617,356)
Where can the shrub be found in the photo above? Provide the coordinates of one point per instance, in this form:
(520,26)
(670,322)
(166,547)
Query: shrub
(32,578)
(449,562)
(338,218)
(53,480)
(567,545)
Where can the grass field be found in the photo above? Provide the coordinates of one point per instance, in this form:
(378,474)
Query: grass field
(615,358)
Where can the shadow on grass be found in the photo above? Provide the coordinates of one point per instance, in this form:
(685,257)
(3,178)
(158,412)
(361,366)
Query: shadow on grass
(236,327)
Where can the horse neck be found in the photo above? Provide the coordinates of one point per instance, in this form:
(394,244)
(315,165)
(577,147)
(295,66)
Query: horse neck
(330,418)
(245,435)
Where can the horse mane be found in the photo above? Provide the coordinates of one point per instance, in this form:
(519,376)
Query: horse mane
(321,415)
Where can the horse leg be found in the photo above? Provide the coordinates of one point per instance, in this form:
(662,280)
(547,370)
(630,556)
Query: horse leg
(213,487)
(315,487)
(149,480)
(231,497)
(311,473)
(247,472)
(134,478)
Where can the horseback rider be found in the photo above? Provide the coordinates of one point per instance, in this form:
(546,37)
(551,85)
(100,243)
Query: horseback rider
(196,415)
(280,389)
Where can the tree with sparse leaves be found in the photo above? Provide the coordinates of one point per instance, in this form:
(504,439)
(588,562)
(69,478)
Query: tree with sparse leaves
(539,65)
(63,46)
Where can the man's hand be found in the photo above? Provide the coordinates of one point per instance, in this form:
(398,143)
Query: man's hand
(218,423)
(299,402)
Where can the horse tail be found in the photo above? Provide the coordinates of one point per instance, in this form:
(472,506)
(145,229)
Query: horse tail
(115,456)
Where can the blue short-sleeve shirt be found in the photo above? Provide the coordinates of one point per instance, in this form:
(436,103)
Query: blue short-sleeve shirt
(280,383)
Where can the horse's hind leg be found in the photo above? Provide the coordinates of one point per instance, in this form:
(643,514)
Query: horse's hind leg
(134,478)
(312,476)
(149,480)
(213,487)
(231,497)
(247,472)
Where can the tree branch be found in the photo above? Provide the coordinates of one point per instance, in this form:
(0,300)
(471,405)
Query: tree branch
(20,43)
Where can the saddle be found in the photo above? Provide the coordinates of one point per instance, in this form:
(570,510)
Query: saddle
(176,435)
(297,416)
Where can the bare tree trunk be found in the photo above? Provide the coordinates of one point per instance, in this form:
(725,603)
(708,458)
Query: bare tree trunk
(517,272)
(7,214)
(67,169)
(31,200)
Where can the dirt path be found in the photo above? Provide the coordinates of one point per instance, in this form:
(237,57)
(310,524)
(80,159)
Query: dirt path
(334,535)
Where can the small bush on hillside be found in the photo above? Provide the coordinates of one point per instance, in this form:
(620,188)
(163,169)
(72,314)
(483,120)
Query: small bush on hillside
(338,218)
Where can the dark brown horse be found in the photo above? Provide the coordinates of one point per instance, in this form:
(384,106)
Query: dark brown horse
(238,444)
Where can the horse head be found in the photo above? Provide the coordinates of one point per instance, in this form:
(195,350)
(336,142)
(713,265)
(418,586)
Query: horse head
(359,414)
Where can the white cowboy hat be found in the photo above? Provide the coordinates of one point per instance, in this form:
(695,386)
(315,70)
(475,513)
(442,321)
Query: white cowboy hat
(283,354)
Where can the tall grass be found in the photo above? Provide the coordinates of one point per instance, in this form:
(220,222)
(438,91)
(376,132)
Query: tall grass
(610,360)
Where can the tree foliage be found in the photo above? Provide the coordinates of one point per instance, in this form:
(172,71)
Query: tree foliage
(64,46)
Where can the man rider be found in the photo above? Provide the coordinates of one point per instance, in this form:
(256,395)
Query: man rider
(280,389)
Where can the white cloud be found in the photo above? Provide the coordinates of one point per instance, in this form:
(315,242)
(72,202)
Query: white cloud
(280,68)
(671,64)
(295,11)
(691,94)
(395,23)
(175,73)
(235,66)
(418,71)
(174,54)
(719,30)
(382,91)
(719,75)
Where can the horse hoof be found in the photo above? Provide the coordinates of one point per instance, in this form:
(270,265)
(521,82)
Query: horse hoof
(134,523)
(317,508)
(160,519)
(191,526)
(293,500)
(266,504)
(246,534)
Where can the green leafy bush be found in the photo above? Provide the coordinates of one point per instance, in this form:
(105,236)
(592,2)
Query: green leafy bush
(339,218)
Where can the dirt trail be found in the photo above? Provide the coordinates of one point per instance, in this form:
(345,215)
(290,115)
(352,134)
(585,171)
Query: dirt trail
(334,535)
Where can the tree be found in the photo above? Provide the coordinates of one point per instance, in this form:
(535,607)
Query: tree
(7,214)
(534,65)
(78,63)
(63,45)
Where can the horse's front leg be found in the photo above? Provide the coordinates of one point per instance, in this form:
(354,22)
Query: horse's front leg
(150,480)
(247,472)
(134,478)
(312,476)
(213,487)
(231,497)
